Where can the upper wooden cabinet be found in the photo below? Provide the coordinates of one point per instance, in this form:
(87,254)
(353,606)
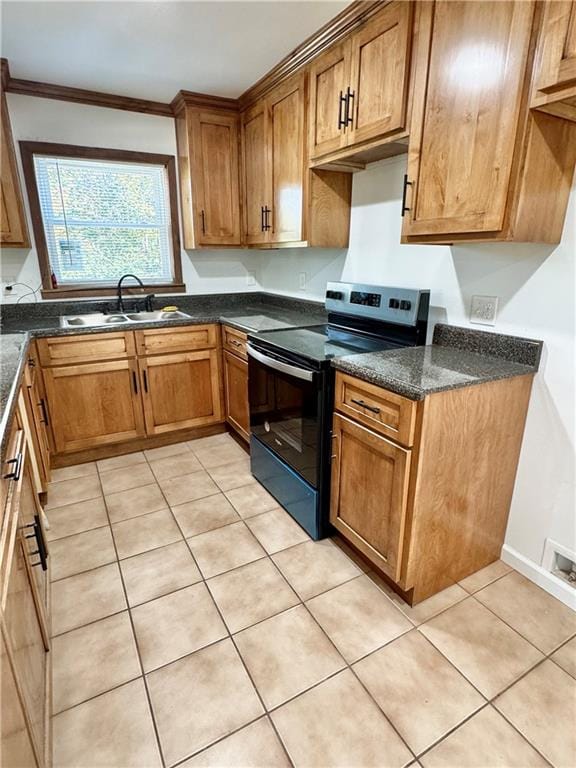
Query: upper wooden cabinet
(13,227)
(284,202)
(480,165)
(555,77)
(209,177)
(359,89)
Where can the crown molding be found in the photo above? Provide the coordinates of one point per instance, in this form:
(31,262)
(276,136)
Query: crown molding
(185,99)
(341,25)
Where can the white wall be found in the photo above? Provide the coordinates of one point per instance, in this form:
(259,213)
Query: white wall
(36,119)
(536,287)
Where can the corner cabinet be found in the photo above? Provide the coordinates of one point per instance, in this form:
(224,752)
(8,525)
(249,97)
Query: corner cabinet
(554,89)
(208,166)
(285,203)
(423,488)
(359,90)
(481,166)
(13,227)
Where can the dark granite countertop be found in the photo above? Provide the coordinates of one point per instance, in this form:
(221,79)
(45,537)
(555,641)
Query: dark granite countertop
(449,362)
(247,312)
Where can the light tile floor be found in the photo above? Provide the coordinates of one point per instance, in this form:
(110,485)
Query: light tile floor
(195,624)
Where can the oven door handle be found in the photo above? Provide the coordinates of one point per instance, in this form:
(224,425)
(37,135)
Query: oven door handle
(278,365)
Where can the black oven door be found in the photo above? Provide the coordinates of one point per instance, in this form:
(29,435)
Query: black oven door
(285,409)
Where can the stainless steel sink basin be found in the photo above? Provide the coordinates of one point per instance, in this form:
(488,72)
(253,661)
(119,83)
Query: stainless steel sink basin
(100,319)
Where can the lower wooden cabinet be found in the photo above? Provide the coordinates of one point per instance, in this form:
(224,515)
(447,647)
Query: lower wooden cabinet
(236,394)
(369,492)
(181,391)
(94,404)
(25,705)
(429,515)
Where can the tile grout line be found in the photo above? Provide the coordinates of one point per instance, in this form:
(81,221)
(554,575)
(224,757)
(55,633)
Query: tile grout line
(145,682)
(230,637)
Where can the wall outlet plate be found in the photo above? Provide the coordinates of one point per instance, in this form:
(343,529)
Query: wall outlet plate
(483,310)
(302,280)
(250,278)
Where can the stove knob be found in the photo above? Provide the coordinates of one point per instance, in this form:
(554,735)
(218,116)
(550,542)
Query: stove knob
(405,304)
(394,304)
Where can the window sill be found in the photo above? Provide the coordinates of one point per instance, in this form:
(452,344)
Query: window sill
(79,291)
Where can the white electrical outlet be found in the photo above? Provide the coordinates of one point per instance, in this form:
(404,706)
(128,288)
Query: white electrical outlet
(302,281)
(250,278)
(483,310)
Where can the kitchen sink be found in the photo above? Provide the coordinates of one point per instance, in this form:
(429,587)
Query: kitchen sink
(132,318)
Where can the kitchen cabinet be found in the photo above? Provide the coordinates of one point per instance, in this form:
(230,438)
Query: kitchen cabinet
(180,391)
(481,166)
(369,492)
(359,90)
(13,227)
(285,203)
(208,162)
(23,617)
(35,412)
(554,89)
(93,404)
(422,489)
(148,382)
(236,394)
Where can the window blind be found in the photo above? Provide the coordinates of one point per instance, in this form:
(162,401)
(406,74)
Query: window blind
(103,219)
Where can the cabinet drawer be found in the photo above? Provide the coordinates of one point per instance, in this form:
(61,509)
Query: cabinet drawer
(234,341)
(60,350)
(154,341)
(384,411)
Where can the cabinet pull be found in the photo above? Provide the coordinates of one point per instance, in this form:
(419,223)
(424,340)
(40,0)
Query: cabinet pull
(341,103)
(38,534)
(234,343)
(362,404)
(349,114)
(262,218)
(15,475)
(135,382)
(42,405)
(407,183)
(203,217)
(334,455)
(267,211)
(31,362)
(145,377)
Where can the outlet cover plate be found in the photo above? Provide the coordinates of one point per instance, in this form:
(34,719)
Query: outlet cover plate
(483,310)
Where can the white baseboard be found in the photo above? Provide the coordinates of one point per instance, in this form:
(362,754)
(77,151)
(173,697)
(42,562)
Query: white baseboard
(540,576)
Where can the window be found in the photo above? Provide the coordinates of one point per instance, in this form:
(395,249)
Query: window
(99,214)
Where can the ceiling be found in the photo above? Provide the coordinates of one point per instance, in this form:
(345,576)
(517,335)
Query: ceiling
(151,50)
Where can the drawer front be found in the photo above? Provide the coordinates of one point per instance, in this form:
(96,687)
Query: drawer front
(61,350)
(386,412)
(234,341)
(155,341)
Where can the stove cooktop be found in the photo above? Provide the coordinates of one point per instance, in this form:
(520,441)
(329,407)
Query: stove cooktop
(320,343)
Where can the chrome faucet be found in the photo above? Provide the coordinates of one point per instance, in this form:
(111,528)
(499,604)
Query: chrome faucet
(120,302)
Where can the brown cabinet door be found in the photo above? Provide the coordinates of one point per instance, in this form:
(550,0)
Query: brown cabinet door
(16,749)
(380,61)
(216,179)
(470,70)
(25,635)
(13,228)
(236,394)
(286,110)
(181,391)
(369,492)
(257,173)
(329,79)
(557,61)
(94,404)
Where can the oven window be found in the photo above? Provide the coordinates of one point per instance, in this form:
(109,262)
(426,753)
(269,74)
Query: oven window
(284,415)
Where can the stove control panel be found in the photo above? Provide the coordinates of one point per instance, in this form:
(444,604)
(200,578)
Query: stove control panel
(403,306)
